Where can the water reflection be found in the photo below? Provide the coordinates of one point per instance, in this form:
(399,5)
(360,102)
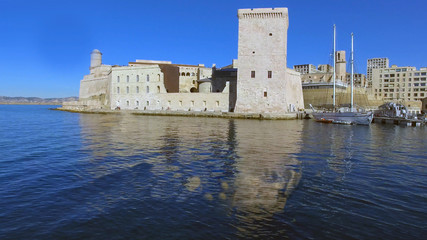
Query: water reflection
(268,170)
(246,167)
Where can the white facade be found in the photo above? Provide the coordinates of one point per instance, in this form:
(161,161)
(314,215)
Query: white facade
(264,84)
(132,87)
(305,68)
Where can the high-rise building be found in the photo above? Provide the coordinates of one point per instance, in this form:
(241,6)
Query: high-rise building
(375,63)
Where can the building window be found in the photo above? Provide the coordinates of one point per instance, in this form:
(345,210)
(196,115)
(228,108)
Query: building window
(265,93)
(183,74)
(127,103)
(158,77)
(158,89)
(148,103)
(270,34)
(148,78)
(137,103)
(180,103)
(148,89)
(118,78)
(137,89)
(118,90)
(127,78)
(270,74)
(127,89)
(217,103)
(137,78)
(188,74)
(252,74)
(192,103)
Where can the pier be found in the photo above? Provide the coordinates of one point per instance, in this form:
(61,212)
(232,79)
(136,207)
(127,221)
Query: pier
(399,121)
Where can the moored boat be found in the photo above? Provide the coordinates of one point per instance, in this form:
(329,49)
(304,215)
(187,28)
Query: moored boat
(343,115)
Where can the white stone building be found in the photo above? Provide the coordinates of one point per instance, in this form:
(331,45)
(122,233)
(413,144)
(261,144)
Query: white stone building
(305,68)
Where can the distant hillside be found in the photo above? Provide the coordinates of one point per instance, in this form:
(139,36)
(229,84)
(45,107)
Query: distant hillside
(35,100)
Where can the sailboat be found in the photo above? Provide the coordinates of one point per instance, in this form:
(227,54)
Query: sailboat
(343,115)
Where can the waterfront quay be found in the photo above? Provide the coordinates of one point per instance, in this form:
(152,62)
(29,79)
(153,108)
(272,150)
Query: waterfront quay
(399,121)
(207,114)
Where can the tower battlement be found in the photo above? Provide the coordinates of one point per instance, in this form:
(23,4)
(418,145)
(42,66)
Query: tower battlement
(263,13)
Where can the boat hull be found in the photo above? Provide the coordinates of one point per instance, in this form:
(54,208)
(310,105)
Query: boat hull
(344,117)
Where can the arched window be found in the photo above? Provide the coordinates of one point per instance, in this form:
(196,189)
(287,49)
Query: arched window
(188,74)
(127,89)
(118,90)
(137,78)
(148,89)
(183,74)
(158,77)
(127,103)
(158,89)
(148,78)
(137,103)
(137,89)
(118,78)
(127,78)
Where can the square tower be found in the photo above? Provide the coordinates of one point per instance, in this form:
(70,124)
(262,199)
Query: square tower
(264,84)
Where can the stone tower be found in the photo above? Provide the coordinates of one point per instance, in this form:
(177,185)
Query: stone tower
(264,84)
(340,66)
(95,59)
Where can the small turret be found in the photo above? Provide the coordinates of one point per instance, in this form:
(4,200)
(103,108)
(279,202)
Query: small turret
(95,58)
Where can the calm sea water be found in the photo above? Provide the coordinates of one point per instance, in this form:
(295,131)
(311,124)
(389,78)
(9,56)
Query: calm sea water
(89,176)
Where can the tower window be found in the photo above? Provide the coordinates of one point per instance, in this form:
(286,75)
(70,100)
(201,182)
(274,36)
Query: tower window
(127,89)
(127,78)
(270,74)
(137,78)
(265,93)
(252,74)
(118,78)
(148,78)
(137,89)
(118,90)
(148,89)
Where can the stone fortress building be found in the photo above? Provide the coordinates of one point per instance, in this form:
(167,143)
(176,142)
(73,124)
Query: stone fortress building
(257,82)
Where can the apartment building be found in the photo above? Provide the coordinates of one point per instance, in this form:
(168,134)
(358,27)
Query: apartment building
(399,83)
(375,63)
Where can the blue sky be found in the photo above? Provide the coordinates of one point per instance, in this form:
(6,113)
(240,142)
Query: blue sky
(45,45)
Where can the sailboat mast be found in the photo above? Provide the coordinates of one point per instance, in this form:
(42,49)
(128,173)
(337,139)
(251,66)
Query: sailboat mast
(352,67)
(334,66)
